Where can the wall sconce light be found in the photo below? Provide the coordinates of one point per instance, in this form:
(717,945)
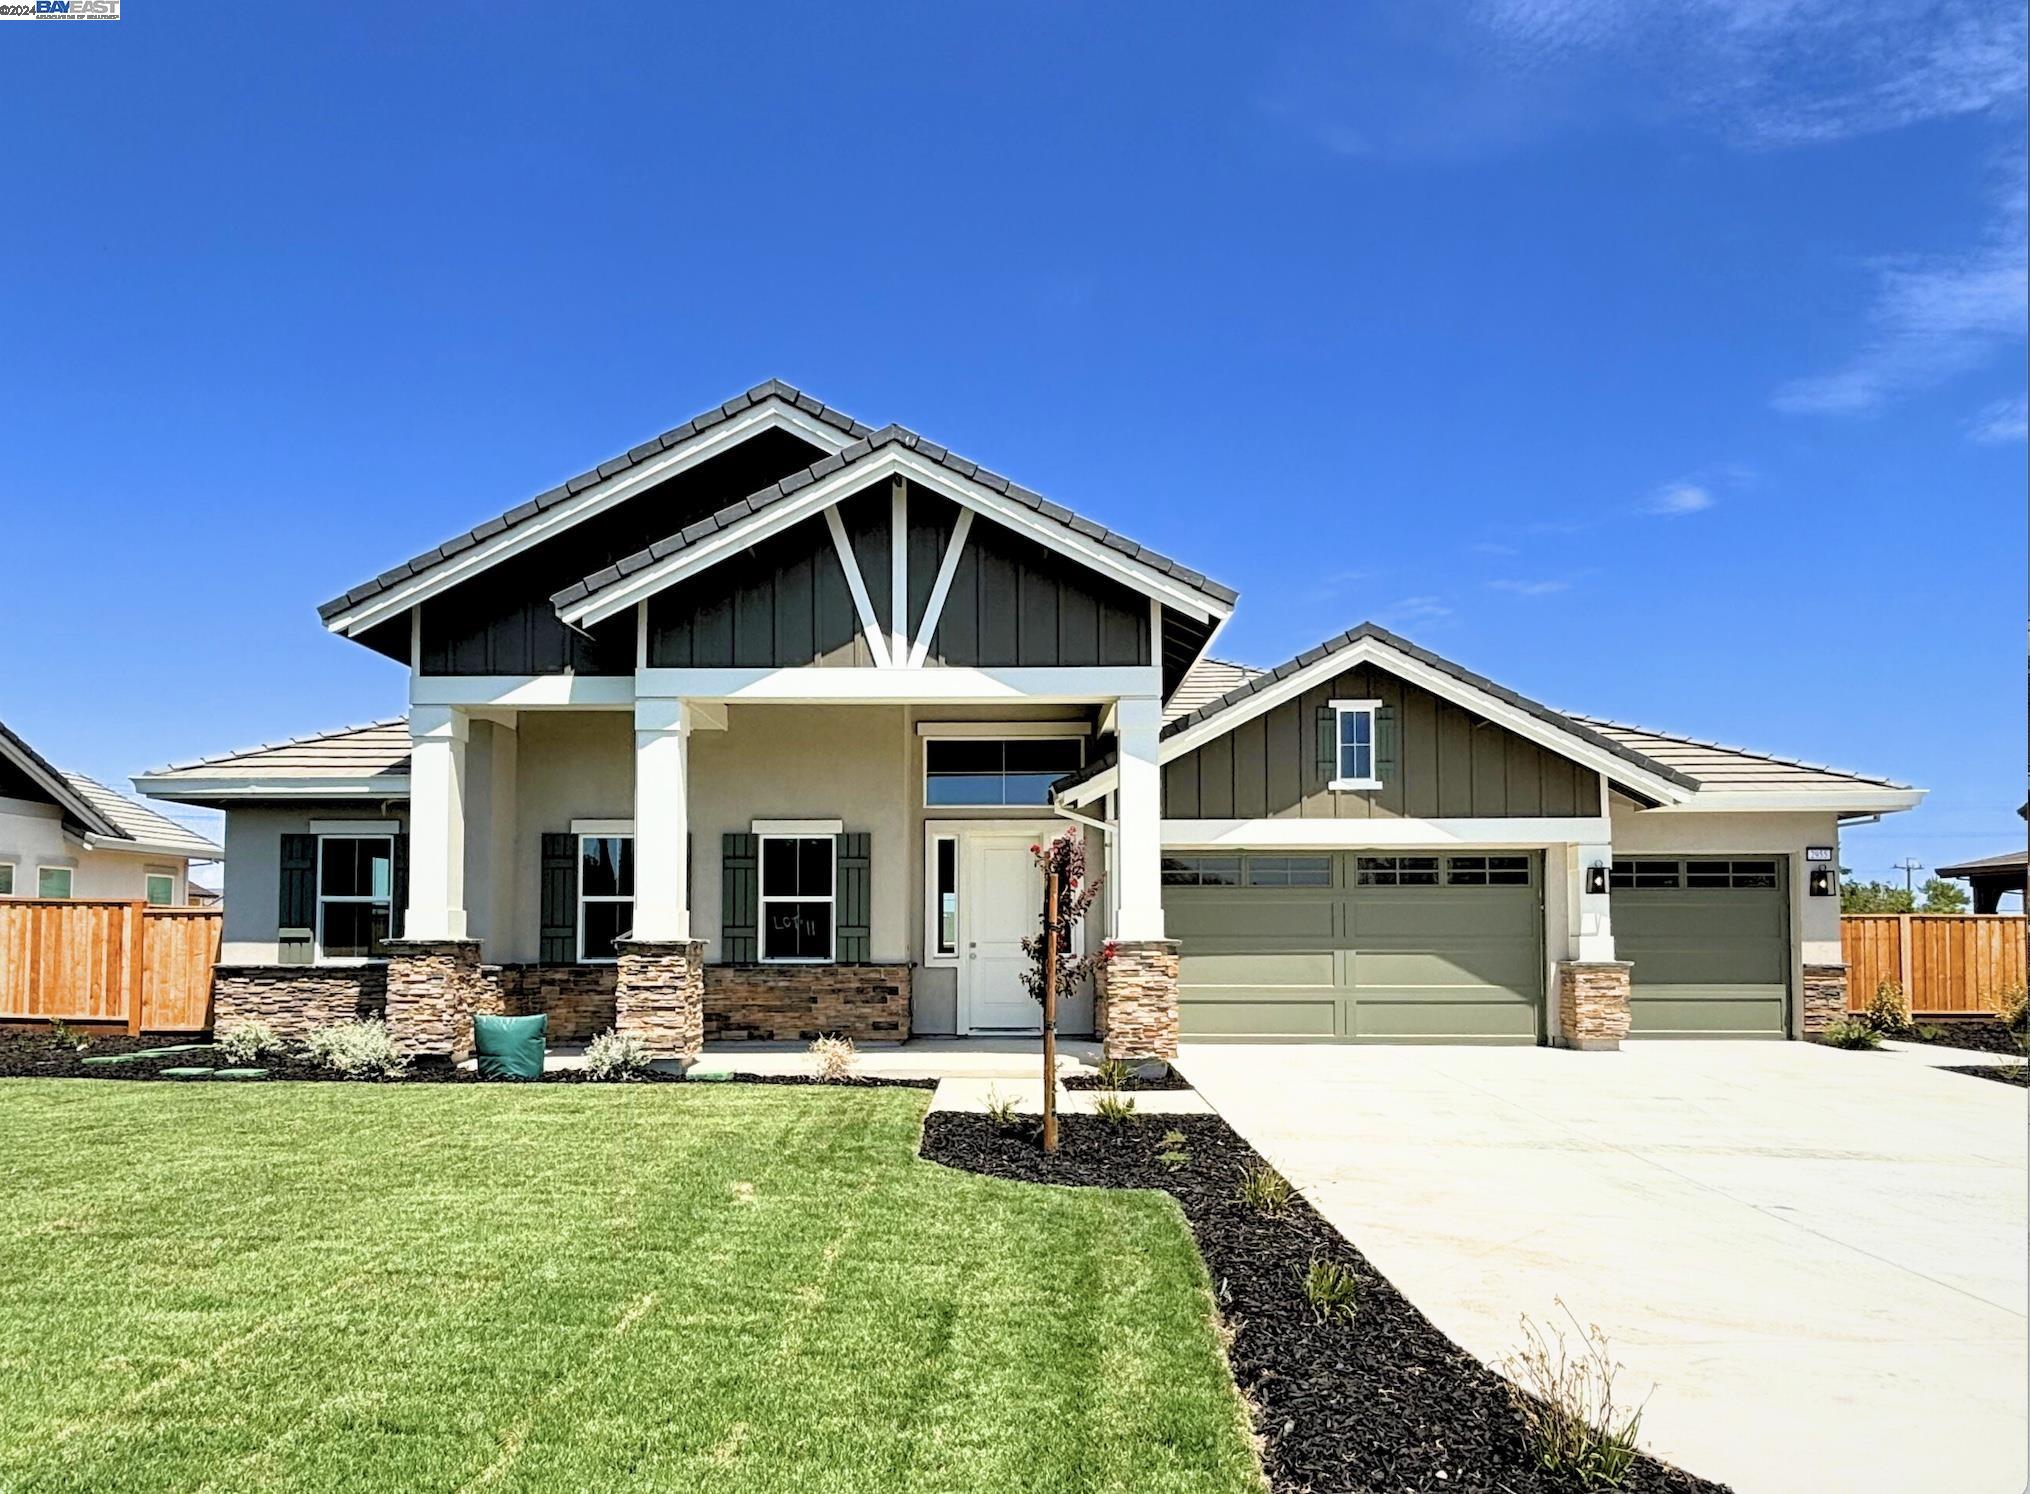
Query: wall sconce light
(1822,881)
(1596,879)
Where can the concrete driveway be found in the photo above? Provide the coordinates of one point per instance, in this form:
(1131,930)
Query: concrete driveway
(1817,1257)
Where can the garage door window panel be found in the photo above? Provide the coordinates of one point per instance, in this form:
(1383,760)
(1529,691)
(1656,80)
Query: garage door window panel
(1289,871)
(1396,871)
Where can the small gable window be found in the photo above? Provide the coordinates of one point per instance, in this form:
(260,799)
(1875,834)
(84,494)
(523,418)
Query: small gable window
(1355,765)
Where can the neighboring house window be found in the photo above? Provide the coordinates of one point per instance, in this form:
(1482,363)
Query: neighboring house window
(355,895)
(1354,736)
(798,878)
(52,881)
(6,879)
(944,912)
(161,888)
(987,771)
(605,895)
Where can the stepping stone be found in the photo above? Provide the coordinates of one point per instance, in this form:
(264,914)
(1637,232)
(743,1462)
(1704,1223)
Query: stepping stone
(171,1050)
(185,1073)
(241,1074)
(111,1058)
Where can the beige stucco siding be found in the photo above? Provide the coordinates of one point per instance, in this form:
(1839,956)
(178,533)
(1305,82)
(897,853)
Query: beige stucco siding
(32,836)
(253,867)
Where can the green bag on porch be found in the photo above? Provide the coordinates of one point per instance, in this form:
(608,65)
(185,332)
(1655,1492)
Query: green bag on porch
(510,1047)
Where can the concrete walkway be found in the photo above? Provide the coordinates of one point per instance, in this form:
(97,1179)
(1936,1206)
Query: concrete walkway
(1817,1258)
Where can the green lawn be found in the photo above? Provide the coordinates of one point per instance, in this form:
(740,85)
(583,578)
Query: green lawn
(738,1288)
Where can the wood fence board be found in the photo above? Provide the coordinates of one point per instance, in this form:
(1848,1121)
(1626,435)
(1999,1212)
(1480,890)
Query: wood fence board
(1949,964)
(99,960)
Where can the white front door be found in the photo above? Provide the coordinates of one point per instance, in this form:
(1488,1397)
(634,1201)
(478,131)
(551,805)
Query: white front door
(1000,905)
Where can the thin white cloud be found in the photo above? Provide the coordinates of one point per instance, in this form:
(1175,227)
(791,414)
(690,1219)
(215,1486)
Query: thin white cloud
(1678,498)
(1530,588)
(1419,609)
(2000,421)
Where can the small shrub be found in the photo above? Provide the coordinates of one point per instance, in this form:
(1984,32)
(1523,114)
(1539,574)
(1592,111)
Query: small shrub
(1175,1154)
(2011,1006)
(1115,1110)
(614,1055)
(1115,1073)
(1330,1288)
(358,1050)
(1931,1032)
(244,1042)
(64,1035)
(1851,1032)
(1000,1110)
(1265,1190)
(1889,1009)
(835,1057)
(1571,1423)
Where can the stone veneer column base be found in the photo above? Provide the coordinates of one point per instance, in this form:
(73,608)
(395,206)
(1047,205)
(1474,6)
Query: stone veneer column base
(434,987)
(1593,1004)
(1825,997)
(659,995)
(1135,999)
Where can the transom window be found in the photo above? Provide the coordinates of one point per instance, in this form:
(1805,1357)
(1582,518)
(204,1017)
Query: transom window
(355,895)
(1396,871)
(985,771)
(605,895)
(160,888)
(1487,871)
(1354,738)
(799,878)
(1746,873)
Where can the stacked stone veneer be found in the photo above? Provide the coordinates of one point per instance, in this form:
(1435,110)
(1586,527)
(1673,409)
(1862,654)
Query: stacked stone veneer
(1593,1004)
(578,999)
(659,995)
(1135,999)
(295,998)
(795,1003)
(435,986)
(1825,996)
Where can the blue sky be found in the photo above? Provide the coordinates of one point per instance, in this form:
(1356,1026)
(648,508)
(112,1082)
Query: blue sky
(1663,361)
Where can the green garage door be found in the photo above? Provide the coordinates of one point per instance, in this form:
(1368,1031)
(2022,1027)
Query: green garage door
(1710,943)
(1348,947)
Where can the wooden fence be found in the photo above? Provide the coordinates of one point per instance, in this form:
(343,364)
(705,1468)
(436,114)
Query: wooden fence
(1949,964)
(99,960)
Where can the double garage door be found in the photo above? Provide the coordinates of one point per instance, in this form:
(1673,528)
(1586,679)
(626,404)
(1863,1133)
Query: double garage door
(1349,947)
(1709,938)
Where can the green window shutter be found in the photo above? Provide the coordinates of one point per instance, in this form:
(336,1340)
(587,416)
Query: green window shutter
(855,896)
(296,908)
(1387,748)
(559,941)
(398,886)
(740,898)
(1328,743)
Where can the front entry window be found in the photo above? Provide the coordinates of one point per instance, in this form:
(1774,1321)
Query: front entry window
(605,895)
(355,895)
(798,878)
(985,771)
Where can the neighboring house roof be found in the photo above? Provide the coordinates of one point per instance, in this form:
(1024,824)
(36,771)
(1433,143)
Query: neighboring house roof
(579,597)
(108,819)
(368,759)
(1204,683)
(1990,866)
(1717,766)
(772,389)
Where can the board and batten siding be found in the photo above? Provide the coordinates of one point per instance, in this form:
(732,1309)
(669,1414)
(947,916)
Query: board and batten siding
(1448,764)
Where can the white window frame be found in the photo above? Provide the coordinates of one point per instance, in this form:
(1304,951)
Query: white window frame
(606,832)
(70,886)
(12,868)
(762,900)
(318,956)
(935,836)
(1004,732)
(168,901)
(1341,709)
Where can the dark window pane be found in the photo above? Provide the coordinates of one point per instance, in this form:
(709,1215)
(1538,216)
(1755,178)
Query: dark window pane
(354,931)
(1755,874)
(1219,871)
(1310,871)
(606,866)
(1180,871)
(778,867)
(1056,756)
(814,866)
(947,896)
(356,866)
(796,931)
(965,755)
(605,922)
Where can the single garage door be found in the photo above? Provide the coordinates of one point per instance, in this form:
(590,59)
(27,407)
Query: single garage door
(1710,942)
(1348,947)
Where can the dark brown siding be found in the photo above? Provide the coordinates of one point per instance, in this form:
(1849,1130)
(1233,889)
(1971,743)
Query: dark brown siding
(1449,764)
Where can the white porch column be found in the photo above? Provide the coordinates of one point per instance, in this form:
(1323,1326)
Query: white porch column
(1138,722)
(437,738)
(662,820)
(1592,922)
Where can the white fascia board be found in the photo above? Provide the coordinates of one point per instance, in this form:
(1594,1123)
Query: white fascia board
(1861,799)
(176,790)
(1438,682)
(1096,787)
(943,686)
(523,692)
(772,414)
(1361,835)
(207,852)
(866,473)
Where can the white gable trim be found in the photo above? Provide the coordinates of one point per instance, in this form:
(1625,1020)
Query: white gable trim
(1609,765)
(773,413)
(869,472)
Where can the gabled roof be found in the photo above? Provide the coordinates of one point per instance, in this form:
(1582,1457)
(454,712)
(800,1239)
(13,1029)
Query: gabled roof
(367,760)
(105,816)
(1205,682)
(1714,765)
(2008,861)
(577,601)
(53,782)
(771,391)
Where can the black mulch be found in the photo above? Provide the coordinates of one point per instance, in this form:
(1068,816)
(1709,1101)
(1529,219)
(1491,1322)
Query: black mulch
(2016,1074)
(35,1054)
(1382,1404)
(1978,1035)
(1171,1080)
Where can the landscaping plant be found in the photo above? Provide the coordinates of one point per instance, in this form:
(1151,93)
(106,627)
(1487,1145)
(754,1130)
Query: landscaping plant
(244,1042)
(834,1057)
(1114,1073)
(1000,1109)
(1175,1154)
(2010,1007)
(1330,1287)
(1889,1009)
(1115,1110)
(1571,1423)
(1851,1032)
(66,1036)
(1265,1190)
(358,1050)
(614,1055)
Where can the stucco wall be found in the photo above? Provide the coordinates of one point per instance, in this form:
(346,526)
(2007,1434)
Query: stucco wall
(31,836)
(253,839)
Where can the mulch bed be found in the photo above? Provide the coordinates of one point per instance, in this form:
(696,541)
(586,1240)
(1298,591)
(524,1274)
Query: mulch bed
(1172,1080)
(34,1055)
(1976,1035)
(2016,1074)
(1381,1403)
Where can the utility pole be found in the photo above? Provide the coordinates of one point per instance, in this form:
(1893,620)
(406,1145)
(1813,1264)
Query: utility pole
(1909,866)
